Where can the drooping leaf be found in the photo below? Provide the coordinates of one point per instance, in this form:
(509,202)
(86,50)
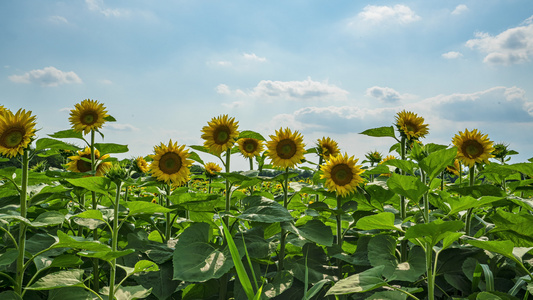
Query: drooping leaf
(93,183)
(66,134)
(48,218)
(380,132)
(250,135)
(314,230)
(362,282)
(59,279)
(47,143)
(264,210)
(434,231)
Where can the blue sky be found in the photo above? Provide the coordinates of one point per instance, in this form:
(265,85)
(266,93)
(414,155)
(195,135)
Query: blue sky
(325,68)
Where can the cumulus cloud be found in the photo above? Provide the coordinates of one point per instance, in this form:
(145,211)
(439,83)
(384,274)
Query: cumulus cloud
(253,57)
(497,104)
(513,46)
(48,76)
(294,90)
(459,9)
(452,55)
(121,127)
(98,6)
(399,13)
(384,94)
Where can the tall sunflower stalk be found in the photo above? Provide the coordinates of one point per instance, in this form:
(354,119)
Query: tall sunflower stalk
(23,227)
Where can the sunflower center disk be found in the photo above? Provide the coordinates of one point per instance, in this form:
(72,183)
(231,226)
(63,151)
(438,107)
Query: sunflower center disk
(472,149)
(341,174)
(286,149)
(84,166)
(170,163)
(326,151)
(12,138)
(89,118)
(249,147)
(222,135)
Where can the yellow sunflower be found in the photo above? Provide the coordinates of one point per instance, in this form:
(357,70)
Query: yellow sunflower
(171,163)
(3,110)
(16,131)
(220,134)
(87,115)
(327,147)
(388,157)
(454,169)
(373,157)
(342,174)
(472,147)
(250,148)
(212,168)
(77,164)
(286,149)
(411,125)
(141,165)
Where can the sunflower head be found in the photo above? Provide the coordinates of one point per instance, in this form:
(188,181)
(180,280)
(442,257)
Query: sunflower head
(249,147)
(454,169)
(16,132)
(3,110)
(211,169)
(342,174)
(500,151)
(87,115)
(327,148)
(117,173)
(140,165)
(473,147)
(78,164)
(286,149)
(410,125)
(220,134)
(374,157)
(171,163)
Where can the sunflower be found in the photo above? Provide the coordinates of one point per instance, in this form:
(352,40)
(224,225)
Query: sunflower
(212,168)
(374,157)
(77,164)
(388,157)
(410,125)
(3,110)
(286,149)
(327,147)
(171,163)
(16,132)
(472,147)
(141,165)
(454,169)
(87,115)
(342,174)
(220,134)
(249,147)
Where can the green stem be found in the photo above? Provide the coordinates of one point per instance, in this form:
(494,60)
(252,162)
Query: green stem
(403,208)
(224,279)
(468,216)
(6,231)
(283,231)
(96,269)
(168,223)
(429,270)
(22,230)
(405,292)
(425,197)
(339,233)
(251,164)
(114,243)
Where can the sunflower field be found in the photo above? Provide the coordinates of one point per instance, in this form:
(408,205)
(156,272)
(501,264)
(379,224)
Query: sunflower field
(426,221)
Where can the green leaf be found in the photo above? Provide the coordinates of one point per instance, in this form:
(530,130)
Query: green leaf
(515,227)
(66,241)
(314,230)
(315,289)
(106,255)
(194,156)
(362,282)
(58,280)
(8,257)
(504,248)
(46,143)
(94,184)
(380,132)
(458,204)
(91,214)
(314,261)
(70,293)
(381,252)
(478,191)
(437,161)
(142,207)
(408,186)
(196,259)
(145,266)
(281,282)
(248,134)
(106,148)
(406,165)
(48,218)
(66,261)
(264,210)
(434,231)
(67,134)
(129,292)
(384,221)
(239,266)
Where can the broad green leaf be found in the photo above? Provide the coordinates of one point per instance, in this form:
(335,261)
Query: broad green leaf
(434,231)
(196,259)
(194,156)
(478,191)
(458,204)
(48,218)
(142,207)
(46,143)
(314,230)
(248,134)
(315,289)
(381,252)
(106,148)
(380,132)
(66,261)
(106,255)
(70,293)
(10,295)
(8,257)
(264,210)
(515,227)
(314,261)
(160,281)
(66,241)
(129,292)
(362,282)
(58,280)
(406,165)
(504,248)
(91,214)
(437,161)
(379,169)
(382,221)
(66,134)
(281,282)
(409,186)
(93,183)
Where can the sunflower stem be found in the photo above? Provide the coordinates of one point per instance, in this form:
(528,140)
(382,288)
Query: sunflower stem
(468,220)
(224,279)
(168,226)
(114,242)
(96,269)
(339,232)
(283,231)
(22,231)
(403,212)
(251,164)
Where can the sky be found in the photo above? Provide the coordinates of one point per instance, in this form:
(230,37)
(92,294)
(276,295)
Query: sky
(333,69)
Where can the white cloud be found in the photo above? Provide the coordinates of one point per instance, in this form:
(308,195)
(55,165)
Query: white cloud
(121,127)
(452,55)
(384,94)
(223,89)
(48,76)
(106,82)
(98,6)
(253,57)
(58,19)
(398,13)
(513,46)
(459,9)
